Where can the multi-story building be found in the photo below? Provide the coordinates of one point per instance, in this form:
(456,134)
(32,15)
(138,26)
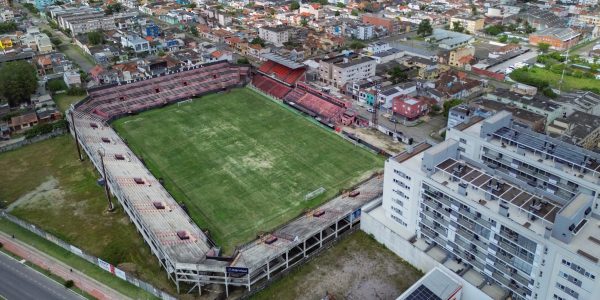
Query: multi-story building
(468,22)
(85,21)
(339,70)
(509,207)
(137,43)
(277,35)
(7,15)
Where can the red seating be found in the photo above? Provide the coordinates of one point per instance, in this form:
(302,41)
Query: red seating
(281,72)
(270,86)
(142,95)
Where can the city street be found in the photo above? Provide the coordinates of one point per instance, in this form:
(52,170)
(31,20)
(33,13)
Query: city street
(18,281)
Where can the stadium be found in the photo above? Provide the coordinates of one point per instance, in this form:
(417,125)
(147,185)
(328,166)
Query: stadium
(165,216)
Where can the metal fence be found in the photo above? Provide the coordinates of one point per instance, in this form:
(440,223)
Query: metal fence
(90,258)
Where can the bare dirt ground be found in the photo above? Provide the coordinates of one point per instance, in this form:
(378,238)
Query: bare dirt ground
(377,139)
(356,268)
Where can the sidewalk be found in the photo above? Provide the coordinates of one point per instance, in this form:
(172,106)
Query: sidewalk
(42,260)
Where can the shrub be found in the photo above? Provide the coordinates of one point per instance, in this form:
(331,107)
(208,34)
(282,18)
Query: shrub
(69,284)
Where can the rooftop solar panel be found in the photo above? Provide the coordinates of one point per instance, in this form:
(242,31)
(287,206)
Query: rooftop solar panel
(422,293)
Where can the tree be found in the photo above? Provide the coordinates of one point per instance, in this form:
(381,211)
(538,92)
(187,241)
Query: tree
(258,41)
(56,85)
(494,29)
(161,53)
(192,5)
(544,47)
(95,37)
(473,9)
(425,28)
(337,13)
(503,38)
(243,61)
(6,27)
(304,22)
(113,8)
(357,45)
(18,80)
(294,5)
(194,31)
(31,8)
(354,12)
(457,26)
(450,104)
(341,5)
(397,75)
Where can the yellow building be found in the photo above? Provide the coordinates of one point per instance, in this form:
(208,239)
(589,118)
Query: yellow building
(470,23)
(6,43)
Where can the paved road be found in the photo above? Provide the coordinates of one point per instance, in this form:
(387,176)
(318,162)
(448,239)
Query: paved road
(91,286)
(18,281)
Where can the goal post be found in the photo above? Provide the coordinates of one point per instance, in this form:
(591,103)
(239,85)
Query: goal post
(314,193)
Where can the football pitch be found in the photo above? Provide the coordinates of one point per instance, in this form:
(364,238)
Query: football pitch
(241,163)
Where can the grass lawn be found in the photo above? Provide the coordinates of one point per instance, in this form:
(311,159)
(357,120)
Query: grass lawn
(570,83)
(63,101)
(241,163)
(48,186)
(356,268)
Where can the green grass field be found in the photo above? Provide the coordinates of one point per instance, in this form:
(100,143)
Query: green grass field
(63,101)
(48,186)
(242,163)
(570,83)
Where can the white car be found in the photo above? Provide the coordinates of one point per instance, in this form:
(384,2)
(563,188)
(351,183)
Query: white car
(370,109)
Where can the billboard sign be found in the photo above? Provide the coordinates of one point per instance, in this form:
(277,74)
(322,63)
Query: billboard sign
(237,270)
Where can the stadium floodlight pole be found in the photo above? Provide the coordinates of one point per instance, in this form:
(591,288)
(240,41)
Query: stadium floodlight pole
(102,153)
(75,132)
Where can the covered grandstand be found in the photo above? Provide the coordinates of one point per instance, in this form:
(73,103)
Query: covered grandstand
(277,76)
(182,248)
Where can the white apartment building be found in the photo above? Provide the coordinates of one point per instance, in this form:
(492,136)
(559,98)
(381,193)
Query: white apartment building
(275,35)
(513,212)
(339,70)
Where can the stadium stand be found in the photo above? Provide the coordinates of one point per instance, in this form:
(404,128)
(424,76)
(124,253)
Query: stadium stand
(177,85)
(281,69)
(318,104)
(270,86)
(181,247)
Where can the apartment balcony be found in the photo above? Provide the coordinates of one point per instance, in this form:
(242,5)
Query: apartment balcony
(469,236)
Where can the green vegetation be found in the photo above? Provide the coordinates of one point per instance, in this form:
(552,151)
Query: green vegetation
(7,27)
(543,47)
(457,27)
(545,78)
(258,41)
(358,267)
(45,128)
(356,45)
(450,104)
(63,101)
(241,163)
(113,8)
(18,80)
(425,28)
(243,60)
(294,5)
(55,191)
(95,37)
(31,8)
(397,75)
(55,85)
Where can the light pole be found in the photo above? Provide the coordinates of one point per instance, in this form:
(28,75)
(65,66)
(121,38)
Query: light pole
(102,153)
(76,137)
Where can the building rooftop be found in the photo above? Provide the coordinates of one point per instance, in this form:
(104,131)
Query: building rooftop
(282,61)
(563,34)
